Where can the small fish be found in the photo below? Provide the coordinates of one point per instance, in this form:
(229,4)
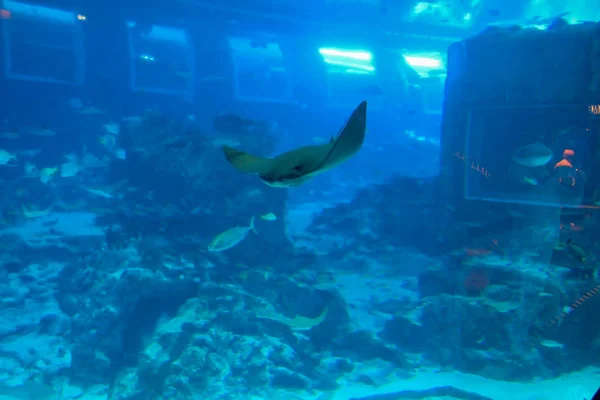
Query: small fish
(46,174)
(113,128)
(533,155)
(231,237)
(531,181)
(69,169)
(121,154)
(268,217)
(44,131)
(578,251)
(552,344)
(6,157)
(33,213)
(99,192)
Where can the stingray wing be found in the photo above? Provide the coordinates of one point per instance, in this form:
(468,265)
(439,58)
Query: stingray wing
(350,139)
(247,162)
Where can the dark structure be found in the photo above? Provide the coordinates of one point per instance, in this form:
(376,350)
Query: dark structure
(508,87)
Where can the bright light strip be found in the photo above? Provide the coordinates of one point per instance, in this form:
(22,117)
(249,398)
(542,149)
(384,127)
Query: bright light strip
(352,60)
(426,62)
(355,54)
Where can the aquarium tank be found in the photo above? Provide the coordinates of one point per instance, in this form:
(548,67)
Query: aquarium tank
(299,200)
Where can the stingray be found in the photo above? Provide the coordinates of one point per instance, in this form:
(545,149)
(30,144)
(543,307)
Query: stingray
(299,165)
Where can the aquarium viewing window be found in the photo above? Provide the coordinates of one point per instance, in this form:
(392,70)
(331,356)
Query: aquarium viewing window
(260,73)
(161,60)
(41,44)
(533,155)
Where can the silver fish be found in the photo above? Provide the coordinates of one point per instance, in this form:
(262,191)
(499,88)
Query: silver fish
(231,237)
(533,155)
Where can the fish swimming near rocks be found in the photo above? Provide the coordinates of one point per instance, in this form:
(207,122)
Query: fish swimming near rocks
(295,167)
(533,155)
(231,237)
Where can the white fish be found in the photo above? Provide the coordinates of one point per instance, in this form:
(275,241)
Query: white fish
(231,237)
(69,169)
(533,155)
(552,344)
(100,193)
(113,128)
(6,157)
(34,213)
(268,217)
(46,174)
(121,154)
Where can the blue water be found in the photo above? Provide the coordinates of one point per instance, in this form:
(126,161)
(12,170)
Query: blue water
(444,259)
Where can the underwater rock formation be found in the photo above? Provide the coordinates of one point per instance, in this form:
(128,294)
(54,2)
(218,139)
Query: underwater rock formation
(187,192)
(474,297)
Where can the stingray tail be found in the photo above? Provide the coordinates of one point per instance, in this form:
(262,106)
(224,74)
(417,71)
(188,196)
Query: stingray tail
(246,162)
